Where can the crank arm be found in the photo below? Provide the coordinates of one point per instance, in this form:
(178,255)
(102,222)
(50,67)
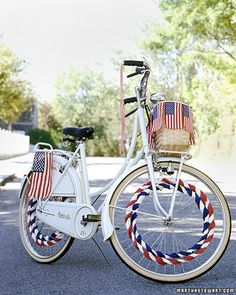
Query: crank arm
(90,218)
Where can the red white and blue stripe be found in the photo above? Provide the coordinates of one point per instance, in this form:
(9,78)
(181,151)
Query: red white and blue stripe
(38,237)
(178,257)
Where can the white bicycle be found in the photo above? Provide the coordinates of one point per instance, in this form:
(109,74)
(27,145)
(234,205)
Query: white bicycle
(166,220)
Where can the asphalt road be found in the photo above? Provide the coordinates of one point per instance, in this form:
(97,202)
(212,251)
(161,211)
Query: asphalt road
(83,270)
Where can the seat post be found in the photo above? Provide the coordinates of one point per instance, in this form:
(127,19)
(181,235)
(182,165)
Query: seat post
(84,173)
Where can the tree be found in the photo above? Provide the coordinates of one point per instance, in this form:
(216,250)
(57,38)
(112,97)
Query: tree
(194,49)
(85,98)
(48,121)
(15,94)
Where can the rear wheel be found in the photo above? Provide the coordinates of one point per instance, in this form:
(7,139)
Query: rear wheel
(41,241)
(176,249)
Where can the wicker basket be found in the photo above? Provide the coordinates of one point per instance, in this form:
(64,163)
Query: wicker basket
(171,140)
(171,114)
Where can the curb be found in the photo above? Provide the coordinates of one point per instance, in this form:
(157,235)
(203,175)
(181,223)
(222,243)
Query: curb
(6,179)
(10,156)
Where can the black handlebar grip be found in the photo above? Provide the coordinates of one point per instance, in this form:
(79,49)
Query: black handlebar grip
(130,99)
(133,74)
(135,63)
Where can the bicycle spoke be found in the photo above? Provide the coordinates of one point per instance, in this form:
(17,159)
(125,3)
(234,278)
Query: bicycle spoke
(154,235)
(184,205)
(139,212)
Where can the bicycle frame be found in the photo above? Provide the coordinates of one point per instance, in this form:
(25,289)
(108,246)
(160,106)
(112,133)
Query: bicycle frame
(81,181)
(143,187)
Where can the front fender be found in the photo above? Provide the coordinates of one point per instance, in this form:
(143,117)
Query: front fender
(107,226)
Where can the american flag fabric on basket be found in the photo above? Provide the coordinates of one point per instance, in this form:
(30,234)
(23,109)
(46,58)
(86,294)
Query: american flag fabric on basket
(155,120)
(174,115)
(41,177)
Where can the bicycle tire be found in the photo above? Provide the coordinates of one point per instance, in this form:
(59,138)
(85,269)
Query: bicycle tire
(42,254)
(135,251)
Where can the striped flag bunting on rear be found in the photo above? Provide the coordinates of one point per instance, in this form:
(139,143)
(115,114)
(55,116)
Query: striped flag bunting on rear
(41,177)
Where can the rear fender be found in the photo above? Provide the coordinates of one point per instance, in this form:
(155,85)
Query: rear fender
(24,181)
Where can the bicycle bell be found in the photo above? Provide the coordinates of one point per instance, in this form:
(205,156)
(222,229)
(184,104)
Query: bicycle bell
(157,97)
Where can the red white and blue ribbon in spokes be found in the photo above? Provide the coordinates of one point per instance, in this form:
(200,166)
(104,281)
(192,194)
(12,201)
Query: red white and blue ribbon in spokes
(36,235)
(204,206)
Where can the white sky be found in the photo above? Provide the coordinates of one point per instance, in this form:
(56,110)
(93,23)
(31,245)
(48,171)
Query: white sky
(54,35)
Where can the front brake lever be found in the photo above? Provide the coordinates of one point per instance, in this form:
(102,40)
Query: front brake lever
(131,112)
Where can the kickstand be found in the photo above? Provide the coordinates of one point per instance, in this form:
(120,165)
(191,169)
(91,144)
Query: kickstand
(102,252)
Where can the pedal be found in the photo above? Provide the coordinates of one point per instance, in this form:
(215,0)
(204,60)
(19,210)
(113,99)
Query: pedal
(91,218)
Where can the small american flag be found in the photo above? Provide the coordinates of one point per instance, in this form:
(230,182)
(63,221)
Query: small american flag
(41,177)
(188,118)
(188,122)
(157,116)
(173,115)
(155,122)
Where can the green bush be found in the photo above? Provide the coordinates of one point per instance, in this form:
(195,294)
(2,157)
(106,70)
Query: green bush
(41,135)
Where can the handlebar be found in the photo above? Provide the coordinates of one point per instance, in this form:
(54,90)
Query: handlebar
(142,68)
(130,99)
(135,63)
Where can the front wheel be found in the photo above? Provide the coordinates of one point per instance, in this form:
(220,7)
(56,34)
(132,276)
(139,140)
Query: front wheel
(169,249)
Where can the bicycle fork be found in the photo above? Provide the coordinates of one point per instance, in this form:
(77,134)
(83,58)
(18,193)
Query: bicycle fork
(167,216)
(173,198)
